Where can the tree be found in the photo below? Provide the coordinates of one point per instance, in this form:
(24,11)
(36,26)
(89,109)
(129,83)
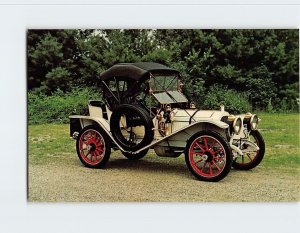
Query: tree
(263,63)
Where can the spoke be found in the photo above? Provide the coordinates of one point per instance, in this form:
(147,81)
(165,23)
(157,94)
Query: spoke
(97,154)
(101,155)
(250,157)
(198,161)
(197,153)
(213,145)
(216,152)
(205,143)
(99,149)
(87,153)
(216,165)
(131,135)
(199,146)
(203,166)
(210,169)
(221,158)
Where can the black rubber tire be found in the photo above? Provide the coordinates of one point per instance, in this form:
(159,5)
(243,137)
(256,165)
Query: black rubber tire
(116,131)
(106,141)
(135,156)
(228,156)
(258,158)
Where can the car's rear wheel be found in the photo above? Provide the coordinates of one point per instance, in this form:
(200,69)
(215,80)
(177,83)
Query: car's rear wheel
(208,156)
(93,147)
(251,157)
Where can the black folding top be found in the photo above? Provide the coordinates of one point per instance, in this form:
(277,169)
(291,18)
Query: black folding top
(137,71)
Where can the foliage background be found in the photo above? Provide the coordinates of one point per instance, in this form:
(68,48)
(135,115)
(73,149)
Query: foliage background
(243,69)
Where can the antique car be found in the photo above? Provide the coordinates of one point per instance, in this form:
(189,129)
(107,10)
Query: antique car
(144,108)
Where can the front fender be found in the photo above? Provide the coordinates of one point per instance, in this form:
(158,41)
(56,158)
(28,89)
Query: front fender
(180,137)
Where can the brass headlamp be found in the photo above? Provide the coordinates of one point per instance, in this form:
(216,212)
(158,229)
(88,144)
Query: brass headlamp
(251,120)
(236,123)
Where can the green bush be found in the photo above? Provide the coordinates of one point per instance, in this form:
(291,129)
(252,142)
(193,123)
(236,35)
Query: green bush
(284,106)
(233,101)
(288,105)
(59,106)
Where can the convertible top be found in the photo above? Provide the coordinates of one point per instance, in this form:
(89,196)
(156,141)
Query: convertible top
(137,71)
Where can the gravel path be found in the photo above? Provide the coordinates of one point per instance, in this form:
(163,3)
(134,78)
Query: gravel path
(154,179)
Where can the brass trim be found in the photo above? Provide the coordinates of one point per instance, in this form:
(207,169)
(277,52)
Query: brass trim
(231,117)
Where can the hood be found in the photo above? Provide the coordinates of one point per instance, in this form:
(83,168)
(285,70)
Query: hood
(185,115)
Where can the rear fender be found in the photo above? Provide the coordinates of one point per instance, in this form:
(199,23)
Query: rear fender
(77,123)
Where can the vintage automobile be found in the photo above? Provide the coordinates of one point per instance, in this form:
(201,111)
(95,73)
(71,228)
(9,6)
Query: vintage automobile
(144,108)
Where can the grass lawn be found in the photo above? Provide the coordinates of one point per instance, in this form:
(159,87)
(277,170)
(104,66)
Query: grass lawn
(281,135)
(47,141)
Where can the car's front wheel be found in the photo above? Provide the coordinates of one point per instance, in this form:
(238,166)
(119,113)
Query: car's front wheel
(251,156)
(208,156)
(93,147)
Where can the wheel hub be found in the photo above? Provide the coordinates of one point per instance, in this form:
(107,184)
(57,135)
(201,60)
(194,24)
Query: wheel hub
(91,147)
(207,156)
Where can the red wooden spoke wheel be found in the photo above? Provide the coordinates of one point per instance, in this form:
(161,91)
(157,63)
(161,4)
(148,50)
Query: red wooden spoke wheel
(208,156)
(93,147)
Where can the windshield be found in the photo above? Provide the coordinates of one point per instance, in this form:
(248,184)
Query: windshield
(160,83)
(166,90)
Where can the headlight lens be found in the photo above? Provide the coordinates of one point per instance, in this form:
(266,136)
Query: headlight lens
(254,122)
(237,125)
